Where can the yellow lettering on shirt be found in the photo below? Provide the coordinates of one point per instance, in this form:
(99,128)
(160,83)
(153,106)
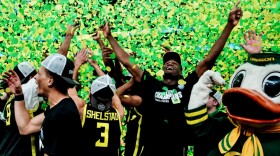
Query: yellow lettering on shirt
(108,116)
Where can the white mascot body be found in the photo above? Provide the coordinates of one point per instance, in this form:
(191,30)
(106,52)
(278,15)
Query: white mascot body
(253,107)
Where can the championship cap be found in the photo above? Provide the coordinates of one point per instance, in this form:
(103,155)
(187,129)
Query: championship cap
(217,95)
(62,66)
(172,55)
(24,70)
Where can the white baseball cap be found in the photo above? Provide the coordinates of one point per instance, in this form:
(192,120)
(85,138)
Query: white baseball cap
(103,87)
(60,65)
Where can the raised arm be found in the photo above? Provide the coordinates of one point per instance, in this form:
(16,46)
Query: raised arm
(80,59)
(63,49)
(122,56)
(114,64)
(130,100)
(97,38)
(116,103)
(106,52)
(95,65)
(25,124)
(253,42)
(208,62)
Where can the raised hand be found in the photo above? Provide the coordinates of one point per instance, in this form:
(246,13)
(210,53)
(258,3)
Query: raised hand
(253,42)
(202,88)
(13,82)
(106,53)
(89,59)
(106,30)
(96,36)
(71,29)
(81,57)
(235,14)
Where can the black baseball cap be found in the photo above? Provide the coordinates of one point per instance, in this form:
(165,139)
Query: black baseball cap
(172,56)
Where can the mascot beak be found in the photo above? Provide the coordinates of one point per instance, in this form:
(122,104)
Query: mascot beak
(248,106)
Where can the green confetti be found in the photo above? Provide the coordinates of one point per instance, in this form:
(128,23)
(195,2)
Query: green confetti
(165,88)
(93,57)
(113,56)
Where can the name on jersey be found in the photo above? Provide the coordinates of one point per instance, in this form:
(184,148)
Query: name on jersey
(108,116)
(167,95)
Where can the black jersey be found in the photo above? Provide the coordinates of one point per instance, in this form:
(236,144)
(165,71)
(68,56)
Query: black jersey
(134,139)
(165,128)
(61,131)
(13,143)
(102,131)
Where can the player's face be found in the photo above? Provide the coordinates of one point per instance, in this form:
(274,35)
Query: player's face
(43,79)
(211,102)
(172,67)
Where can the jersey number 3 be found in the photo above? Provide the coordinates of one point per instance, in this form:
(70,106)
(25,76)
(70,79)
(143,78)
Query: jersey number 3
(103,141)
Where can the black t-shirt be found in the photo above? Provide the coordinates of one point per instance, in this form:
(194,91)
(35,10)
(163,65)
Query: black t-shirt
(102,132)
(61,131)
(13,143)
(134,135)
(165,127)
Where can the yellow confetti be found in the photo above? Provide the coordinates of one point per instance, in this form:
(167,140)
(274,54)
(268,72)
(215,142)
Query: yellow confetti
(41,30)
(154,34)
(58,7)
(182,82)
(195,5)
(246,14)
(7,90)
(86,89)
(32,2)
(160,73)
(108,69)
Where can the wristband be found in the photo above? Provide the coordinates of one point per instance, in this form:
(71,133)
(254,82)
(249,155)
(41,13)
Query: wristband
(19,97)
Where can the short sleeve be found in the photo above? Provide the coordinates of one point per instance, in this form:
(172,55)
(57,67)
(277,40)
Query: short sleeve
(192,78)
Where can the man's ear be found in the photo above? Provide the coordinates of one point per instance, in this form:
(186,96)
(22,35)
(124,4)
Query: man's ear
(215,102)
(50,81)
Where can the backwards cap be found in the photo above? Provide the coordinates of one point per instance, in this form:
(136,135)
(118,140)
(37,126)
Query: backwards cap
(60,65)
(103,88)
(217,95)
(24,70)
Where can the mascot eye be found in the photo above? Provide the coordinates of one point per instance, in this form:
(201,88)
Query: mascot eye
(271,84)
(238,78)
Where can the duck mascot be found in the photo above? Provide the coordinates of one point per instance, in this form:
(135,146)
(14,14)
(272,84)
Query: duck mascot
(252,101)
